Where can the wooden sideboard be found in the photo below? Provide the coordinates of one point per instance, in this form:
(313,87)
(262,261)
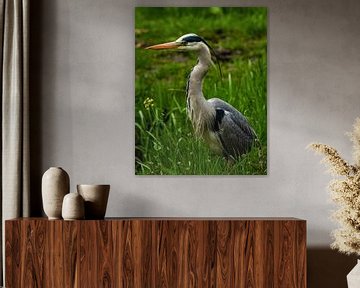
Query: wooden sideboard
(156,252)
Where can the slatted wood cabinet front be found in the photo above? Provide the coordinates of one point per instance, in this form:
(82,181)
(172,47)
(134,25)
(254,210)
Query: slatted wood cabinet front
(156,252)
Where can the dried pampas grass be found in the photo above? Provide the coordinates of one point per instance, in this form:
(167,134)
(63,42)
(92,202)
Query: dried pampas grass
(345,191)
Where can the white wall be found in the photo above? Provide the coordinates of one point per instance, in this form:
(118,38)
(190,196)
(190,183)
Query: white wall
(86,90)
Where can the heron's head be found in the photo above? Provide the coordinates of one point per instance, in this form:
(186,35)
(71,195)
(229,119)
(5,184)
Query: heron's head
(189,42)
(186,42)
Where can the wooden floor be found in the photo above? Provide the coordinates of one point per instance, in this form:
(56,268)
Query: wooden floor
(158,252)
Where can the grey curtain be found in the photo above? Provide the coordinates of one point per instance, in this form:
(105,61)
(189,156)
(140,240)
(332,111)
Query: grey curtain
(14,25)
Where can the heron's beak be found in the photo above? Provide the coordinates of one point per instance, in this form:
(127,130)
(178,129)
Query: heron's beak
(168,45)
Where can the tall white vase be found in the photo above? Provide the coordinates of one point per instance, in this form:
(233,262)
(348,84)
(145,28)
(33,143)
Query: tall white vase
(353,278)
(55,185)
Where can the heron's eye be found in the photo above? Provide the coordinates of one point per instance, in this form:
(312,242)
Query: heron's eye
(186,43)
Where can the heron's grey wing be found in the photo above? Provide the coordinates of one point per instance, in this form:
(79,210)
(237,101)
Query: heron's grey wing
(234,139)
(239,119)
(234,132)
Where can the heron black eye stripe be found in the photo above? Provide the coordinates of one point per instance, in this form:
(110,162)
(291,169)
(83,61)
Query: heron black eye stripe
(190,39)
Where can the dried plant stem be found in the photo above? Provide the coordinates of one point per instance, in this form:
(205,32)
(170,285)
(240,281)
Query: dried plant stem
(355,138)
(336,163)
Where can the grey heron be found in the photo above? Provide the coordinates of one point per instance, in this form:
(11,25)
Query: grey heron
(223,127)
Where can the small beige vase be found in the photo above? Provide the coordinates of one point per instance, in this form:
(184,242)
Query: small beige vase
(353,278)
(55,185)
(73,207)
(96,198)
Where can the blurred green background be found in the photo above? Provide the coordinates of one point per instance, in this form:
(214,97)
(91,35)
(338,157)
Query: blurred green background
(165,142)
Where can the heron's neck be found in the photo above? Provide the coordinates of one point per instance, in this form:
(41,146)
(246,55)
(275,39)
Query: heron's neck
(198,73)
(199,110)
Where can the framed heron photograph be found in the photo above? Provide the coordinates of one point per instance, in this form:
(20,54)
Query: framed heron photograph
(200,91)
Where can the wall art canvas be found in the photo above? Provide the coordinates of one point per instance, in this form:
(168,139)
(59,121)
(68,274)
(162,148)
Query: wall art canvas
(201,91)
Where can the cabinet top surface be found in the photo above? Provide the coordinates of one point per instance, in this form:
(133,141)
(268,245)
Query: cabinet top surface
(174,219)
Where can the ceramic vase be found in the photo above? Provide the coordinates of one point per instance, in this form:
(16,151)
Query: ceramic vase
(353,278)
(55,185)
(73,207)
(96,198)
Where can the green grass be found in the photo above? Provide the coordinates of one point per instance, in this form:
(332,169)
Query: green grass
(165,142)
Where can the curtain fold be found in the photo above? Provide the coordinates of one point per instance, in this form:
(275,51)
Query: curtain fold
(15,162)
